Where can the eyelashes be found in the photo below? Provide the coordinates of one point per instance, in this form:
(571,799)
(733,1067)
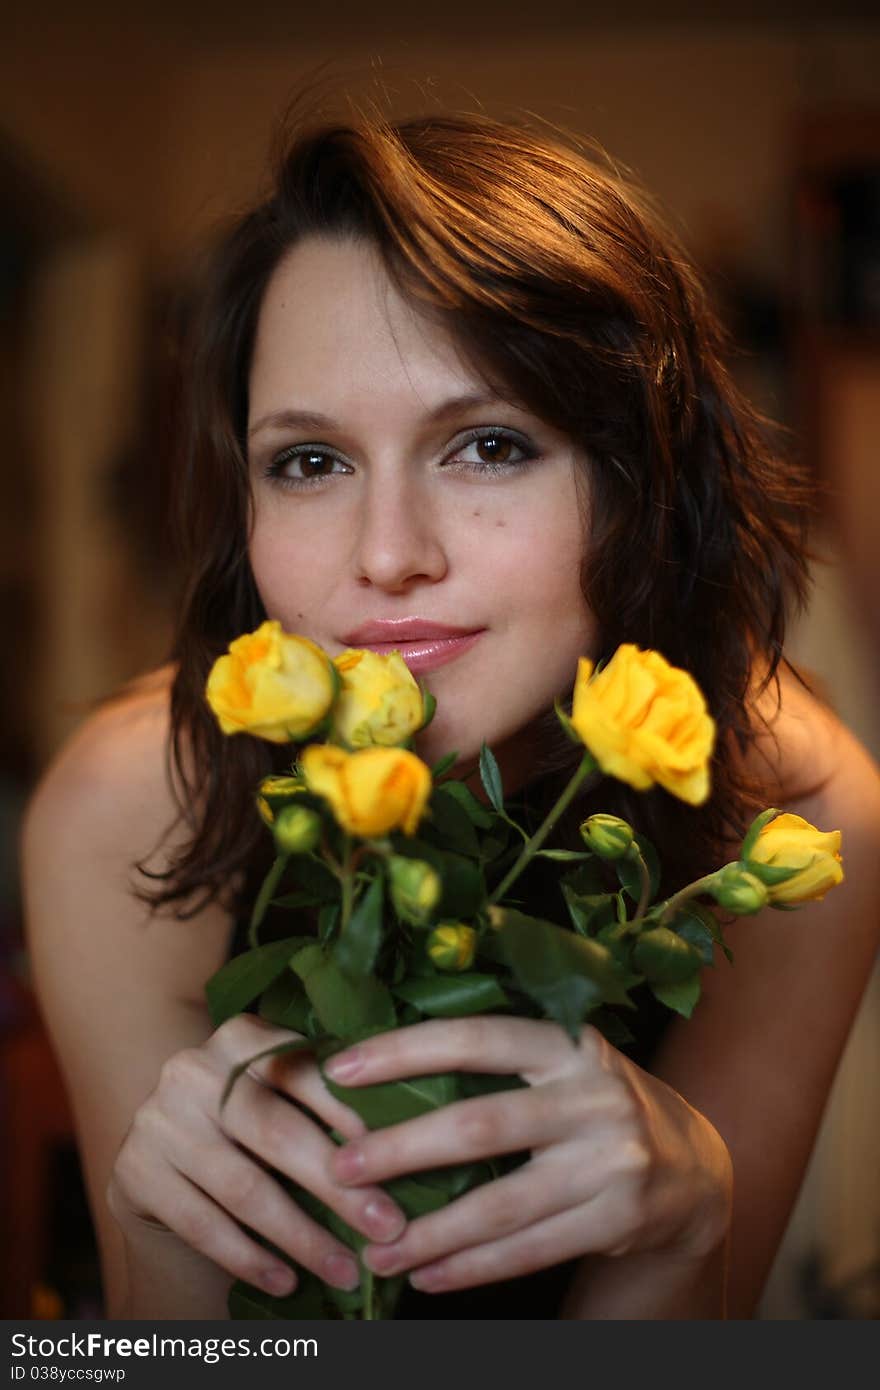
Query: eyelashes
(495,450)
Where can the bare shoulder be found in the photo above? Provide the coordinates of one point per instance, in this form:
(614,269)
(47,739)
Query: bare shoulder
(801,745)
(105,804)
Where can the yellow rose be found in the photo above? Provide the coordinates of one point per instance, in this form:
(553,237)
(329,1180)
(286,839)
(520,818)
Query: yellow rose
(645,721)
(372,791)
(452,947)
(790,842)
(272,684)
(380,701)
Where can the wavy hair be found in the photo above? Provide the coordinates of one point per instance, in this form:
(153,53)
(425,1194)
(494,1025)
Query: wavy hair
(557,277)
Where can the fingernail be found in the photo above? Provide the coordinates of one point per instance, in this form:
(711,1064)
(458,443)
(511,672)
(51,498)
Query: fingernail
(341,1271)
(343,1066)
(385,1220)
(383,1259)
(427,1280)
(278,1280)
(348,1162)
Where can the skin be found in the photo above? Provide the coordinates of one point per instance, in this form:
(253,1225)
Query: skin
(403,519)
(629,1170)
(407,520)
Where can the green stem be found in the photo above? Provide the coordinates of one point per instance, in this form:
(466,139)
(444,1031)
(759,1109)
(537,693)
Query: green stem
(369,1296)
(645,880)
(347,876)
(531,847)
(691,890)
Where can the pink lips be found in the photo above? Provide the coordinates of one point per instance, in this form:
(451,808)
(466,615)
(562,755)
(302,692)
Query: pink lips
(423,645)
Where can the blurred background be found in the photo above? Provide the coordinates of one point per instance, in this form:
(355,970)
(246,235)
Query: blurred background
(127,132)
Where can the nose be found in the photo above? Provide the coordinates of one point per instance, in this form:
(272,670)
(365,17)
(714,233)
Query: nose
(398,536)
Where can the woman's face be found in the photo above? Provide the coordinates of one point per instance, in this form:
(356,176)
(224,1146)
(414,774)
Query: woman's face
(395,498)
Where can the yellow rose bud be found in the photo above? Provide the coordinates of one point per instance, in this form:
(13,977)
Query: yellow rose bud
(607,836)
(738,891)
(811,856)
(415,888)
(452,947)
(645,721)
(275,792)
(372,791)
(297,830)
(272,684)
(379,703)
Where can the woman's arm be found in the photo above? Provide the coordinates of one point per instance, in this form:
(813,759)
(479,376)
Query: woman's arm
(174,1185)
(759,1055)
(120,991)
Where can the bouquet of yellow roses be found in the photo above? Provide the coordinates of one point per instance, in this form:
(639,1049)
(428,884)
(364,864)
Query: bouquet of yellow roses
(400,880)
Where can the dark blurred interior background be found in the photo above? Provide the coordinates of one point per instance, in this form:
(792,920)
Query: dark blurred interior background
(128,131)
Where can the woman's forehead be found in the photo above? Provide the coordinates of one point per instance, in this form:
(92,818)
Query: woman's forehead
(334,328)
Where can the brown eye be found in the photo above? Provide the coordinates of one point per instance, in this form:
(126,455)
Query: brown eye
(494,448)
(315,465)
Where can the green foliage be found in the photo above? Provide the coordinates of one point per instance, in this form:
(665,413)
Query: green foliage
(452,996)
(344,1006)
(568,975)
(490,776)
(367,970)
(358,945)
(237,983)
(682,996)
(665,958)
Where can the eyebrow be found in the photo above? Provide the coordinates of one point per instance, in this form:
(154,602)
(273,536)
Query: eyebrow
(311,419)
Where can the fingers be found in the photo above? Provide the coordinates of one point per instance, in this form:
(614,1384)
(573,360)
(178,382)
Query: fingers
(295,1074)
(481,1127)
(276,1131)
(598,1224)
(240,1187)
(530,1048)
(180,1210)
(489,1213)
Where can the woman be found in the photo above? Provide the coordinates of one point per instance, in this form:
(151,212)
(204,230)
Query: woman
(453,381)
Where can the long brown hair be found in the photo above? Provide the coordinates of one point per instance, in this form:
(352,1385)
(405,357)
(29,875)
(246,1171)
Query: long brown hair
(559,280)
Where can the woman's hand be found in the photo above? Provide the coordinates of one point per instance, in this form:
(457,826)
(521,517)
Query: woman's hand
(198,1173)
(619,1163)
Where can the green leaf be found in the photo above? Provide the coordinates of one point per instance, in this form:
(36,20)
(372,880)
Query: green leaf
(563,856)
(568,975)
(286,1004)
(265,896)
(451,822)
(358,945)
(297,900)
(490,776)
(279,1050)
(328,917)
(343,1006)
(565,721)
(705,915)
(453,996)
(429,705)
(754,831)
(476,811)
(241,979)
(590,912)
(306,1301)
(443,765)
(665,958)
(585,881)
(390,1102)
(682,996)
(693,930)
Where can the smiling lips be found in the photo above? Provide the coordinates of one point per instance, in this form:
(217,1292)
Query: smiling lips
(423,645)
